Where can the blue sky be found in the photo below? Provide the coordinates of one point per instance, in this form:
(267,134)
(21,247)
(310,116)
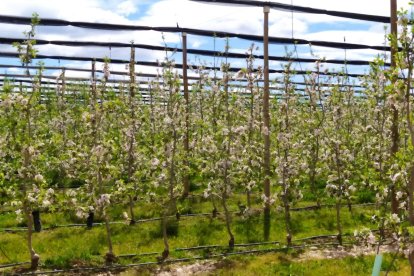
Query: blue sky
(196,15)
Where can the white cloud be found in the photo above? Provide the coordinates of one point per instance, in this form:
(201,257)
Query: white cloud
(355,36)
(282,27)
(126,8)
(196,43)
(193,15)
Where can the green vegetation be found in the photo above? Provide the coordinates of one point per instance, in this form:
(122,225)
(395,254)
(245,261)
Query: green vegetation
(93,152)
(64,247)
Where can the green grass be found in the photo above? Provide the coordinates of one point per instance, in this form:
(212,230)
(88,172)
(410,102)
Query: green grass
(60,247)
(277,264)
(66,247)
(287,265)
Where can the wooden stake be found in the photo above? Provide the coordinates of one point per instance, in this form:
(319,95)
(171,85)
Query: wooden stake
(186,180)
(266,120)
(395,115)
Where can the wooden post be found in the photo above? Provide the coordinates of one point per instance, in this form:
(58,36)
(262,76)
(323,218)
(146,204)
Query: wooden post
(94,81)
(394,127)
(131,159)
(132,72)
(92,103)
(63,83)
(40,83)
(266,122)
(186,180)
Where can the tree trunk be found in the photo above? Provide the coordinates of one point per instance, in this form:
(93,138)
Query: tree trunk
(266,224)
(34,258)
(215,211)
(228,221)
(349,206)
(313,186)
(131,210)
(338,220)
(109,257)
(287,221)
(166,251)
(249,200)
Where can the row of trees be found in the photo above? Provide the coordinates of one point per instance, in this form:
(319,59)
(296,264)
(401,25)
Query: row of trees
(130,145)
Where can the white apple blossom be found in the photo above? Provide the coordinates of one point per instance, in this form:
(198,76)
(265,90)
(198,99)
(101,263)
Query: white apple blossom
(395,177)
(155,162)
(46,203)
(394,218)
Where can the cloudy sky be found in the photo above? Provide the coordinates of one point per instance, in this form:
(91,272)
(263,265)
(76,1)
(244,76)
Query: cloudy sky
(247,20)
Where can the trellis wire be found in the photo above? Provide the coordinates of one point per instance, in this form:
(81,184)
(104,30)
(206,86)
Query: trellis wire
(22,229)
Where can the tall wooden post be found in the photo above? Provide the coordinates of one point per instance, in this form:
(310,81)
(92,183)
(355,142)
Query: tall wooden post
(40,82)
(394,127)
(131,159)
(132,73)
(266,122)
(186,180)
(63,82)
(91,215)
(93,70)
(94,81)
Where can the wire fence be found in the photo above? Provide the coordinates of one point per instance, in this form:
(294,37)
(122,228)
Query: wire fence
(240,212)
(229,253)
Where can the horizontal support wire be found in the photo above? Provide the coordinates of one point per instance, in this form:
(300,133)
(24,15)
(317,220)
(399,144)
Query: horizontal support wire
(180,66)
(301,9)
(13,264)
(186,259)
(281,71)
(18,229)
(272,40)
(160,82)
(210,256)
(123,27)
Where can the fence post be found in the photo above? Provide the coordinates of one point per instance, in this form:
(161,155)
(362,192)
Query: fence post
(266,122)
(186,180)
(395,115)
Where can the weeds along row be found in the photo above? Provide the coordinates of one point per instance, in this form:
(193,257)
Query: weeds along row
(52,220)
(204,256)
(327,144)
